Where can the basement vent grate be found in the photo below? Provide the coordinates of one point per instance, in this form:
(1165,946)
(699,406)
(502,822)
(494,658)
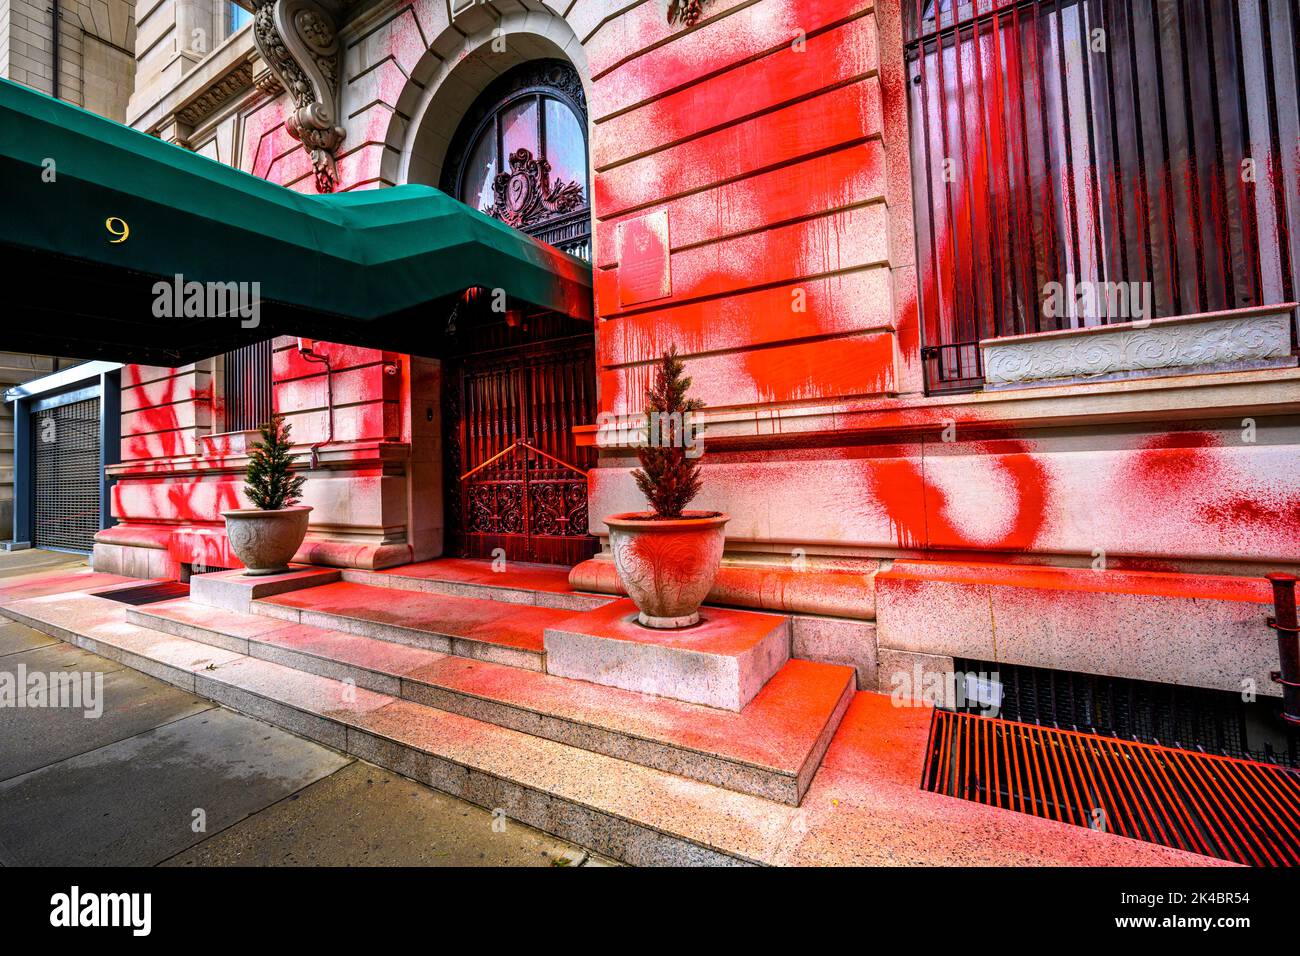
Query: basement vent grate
(148,593)
(1238,810)
(1182,717)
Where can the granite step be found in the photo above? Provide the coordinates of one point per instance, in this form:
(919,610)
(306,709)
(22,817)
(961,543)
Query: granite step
(475,628)
(626,811)
(863,808)
(771,749)
(514,582)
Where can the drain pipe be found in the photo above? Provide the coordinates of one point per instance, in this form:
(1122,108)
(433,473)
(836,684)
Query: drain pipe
(305,349)
(56,16)
(1288,644)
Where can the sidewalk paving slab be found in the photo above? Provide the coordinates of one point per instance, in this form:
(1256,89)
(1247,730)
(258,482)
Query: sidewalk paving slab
(133,802)
(31,738)
(15,637)
(364,815)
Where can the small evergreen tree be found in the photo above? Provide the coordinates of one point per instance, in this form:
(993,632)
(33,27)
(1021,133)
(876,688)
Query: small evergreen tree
(270,484)
(667,477)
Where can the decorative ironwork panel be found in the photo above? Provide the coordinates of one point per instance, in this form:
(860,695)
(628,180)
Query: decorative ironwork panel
(559,506)
(495,507)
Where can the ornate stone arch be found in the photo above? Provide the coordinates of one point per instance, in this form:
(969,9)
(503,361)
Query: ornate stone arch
(454,70)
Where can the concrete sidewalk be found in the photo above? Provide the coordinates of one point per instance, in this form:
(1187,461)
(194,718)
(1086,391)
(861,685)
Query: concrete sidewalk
(162,777)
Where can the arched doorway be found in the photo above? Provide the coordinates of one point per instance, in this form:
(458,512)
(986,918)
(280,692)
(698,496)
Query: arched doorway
(520,381)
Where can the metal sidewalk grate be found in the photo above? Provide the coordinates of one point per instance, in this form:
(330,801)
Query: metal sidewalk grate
(1233,809)
(148,593)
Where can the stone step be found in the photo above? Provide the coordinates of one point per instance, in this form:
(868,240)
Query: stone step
(635,814)
(863,807)
(516,582)
(771,749)
(466,627)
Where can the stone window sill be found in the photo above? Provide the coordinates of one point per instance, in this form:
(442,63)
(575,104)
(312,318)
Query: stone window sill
(1229,341)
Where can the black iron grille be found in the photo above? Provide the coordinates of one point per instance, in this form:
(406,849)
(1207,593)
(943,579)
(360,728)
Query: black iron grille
(246,385)
(1192,718)
(1239,810)
(147,593)
(1098,141)
(66,482)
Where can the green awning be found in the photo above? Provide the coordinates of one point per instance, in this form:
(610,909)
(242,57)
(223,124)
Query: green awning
(381,267)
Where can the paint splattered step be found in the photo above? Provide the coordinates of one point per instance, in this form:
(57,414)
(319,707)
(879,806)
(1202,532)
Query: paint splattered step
(770,749)
(632,813)
(467,627)
(864,806)
(515,582)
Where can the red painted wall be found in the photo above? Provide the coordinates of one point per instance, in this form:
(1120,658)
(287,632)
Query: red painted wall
(772,140)
(760,137)
(180,470)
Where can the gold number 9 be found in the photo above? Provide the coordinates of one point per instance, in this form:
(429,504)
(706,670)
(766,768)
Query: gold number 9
(117,227)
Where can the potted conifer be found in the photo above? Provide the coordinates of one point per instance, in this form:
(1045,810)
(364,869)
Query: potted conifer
(267,536)
(667,557)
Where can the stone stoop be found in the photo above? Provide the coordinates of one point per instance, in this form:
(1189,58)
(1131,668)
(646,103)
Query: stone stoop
(574,676)
(862,806)
(770,749)
(467,627)
(633,813)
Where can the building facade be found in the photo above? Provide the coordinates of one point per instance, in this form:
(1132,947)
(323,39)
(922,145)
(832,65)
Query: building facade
(992,307)
(90,61)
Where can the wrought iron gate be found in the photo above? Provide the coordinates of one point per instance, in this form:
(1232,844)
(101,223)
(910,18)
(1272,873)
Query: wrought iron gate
(517,480)
(67,472)
(1097,142)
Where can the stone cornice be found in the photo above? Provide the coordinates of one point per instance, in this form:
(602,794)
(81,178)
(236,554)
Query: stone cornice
(216,95)
(226,66)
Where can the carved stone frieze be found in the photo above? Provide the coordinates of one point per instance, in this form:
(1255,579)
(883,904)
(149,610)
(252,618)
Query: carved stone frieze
(217,93)
(1197,343)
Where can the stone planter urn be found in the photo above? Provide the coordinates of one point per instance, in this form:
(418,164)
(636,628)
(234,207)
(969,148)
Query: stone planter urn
(266,540)
(667,565)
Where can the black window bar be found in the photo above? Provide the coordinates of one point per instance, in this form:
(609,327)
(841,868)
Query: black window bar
(1112,141)
(246,399)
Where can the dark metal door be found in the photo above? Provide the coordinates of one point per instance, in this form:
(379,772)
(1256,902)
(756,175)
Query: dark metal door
(516,478)
(66,473)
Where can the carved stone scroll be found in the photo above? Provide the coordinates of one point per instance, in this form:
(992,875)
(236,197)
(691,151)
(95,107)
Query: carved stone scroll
(299,41)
